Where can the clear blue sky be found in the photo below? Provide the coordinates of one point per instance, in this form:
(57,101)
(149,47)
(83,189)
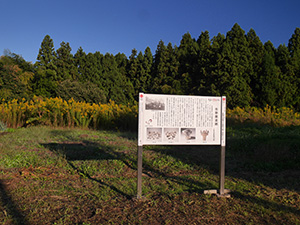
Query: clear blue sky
(115,26)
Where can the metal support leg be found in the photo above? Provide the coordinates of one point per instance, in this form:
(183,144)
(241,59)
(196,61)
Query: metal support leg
(222,170)
(139,178)
(222,192)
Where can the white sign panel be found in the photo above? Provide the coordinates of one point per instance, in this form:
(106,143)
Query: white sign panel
(180,120)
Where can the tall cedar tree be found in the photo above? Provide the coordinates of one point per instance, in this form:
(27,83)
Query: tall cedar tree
(113,82)
(172,84)
(46,70)
(135,71)
(142,75)
(147,66)
(139,71)
(257,52)
(65,64)
(165,76)
(187,53)
(80,64)
(216,66)
(287,95)
(270,80)
(294,49)
(122,63)
(202,77)
(159,71)
(93,68)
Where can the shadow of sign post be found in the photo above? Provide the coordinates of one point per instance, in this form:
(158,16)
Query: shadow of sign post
(182,120)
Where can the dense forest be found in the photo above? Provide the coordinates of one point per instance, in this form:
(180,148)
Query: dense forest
(237,65)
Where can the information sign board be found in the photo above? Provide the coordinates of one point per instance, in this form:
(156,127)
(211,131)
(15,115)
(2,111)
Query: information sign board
(180,120)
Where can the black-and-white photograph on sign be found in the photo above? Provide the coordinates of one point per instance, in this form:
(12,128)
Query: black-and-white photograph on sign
(179,119)
(155,103)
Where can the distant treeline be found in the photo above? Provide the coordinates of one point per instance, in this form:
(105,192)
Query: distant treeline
(237,65)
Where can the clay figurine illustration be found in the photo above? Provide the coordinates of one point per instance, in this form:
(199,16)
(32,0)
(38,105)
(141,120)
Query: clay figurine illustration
(153,135)
(188,134)
(204,134)
(171,135)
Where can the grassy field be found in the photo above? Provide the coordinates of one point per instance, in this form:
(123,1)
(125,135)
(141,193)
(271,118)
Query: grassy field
(80,176)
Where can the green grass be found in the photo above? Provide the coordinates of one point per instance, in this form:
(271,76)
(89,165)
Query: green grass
(73,176)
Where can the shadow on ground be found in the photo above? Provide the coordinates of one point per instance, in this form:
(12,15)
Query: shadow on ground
(10,207)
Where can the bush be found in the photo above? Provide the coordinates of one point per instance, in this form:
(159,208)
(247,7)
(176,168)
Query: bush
(80,92)
(269,115)
(71,113)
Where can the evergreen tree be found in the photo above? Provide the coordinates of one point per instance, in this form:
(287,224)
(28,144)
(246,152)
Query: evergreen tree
(257,51)
(93,69)
(122,63)
(270,79)
(141,78)
(294,49)
(203,75)
(47,55)
(45,76)
(216,66)
(159,71)
(172,84)
(80,64)
(294,46)
(113,82)
(133,72)
(287,94)
(188,55)
(147,65)
(65,65)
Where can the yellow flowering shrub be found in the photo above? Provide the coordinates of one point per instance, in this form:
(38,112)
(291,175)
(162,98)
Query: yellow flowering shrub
(268,115)
(58,112)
